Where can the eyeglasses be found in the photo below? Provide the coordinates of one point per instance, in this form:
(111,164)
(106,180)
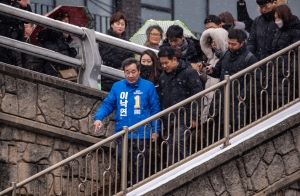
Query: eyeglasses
(155,34)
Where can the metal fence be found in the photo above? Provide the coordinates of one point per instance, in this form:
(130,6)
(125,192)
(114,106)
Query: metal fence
(90,64)
(120,163)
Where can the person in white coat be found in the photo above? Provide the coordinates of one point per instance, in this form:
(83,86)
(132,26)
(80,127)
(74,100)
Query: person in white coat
(213,43)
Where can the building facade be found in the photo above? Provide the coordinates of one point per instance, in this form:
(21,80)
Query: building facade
(191,12)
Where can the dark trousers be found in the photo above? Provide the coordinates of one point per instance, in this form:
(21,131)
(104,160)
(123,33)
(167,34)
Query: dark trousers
(173,153)
(139,156)
(7,56)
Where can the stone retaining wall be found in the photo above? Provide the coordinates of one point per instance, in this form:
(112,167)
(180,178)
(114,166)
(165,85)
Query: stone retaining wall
(43,120)
(50,100)
(252,171)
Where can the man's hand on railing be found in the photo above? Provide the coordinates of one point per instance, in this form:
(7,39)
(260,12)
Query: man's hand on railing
(154,136)
(97,125)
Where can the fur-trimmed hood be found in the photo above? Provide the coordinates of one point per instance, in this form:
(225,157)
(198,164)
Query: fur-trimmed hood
(219,35)
(239,25)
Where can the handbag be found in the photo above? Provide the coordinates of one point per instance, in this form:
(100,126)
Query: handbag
(67,74)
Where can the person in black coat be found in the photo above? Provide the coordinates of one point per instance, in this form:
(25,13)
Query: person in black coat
(12,28)
(243,16)
(189,47)
(58,42)
(263,30)
(113,56)
(150,66)
(29,61)
(178,82)
(287,34)
(235,59)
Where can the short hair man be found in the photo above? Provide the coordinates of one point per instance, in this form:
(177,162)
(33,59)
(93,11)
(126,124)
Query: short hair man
(212,21)
(263,30)
(236,58)
(177,82)
(134,99)
(189,47)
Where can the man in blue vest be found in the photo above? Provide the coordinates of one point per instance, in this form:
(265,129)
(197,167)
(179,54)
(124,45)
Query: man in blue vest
(134,99)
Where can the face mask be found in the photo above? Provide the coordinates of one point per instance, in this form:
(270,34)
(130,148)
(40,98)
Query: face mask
(279,23)
(146,70)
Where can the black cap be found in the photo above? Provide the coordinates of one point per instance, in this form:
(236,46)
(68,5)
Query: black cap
(263,2)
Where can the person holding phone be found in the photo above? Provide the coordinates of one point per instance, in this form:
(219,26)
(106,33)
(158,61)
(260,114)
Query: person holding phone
(213,43)
(235,59)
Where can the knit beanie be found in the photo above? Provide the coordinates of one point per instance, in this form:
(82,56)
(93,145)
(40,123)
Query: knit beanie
(264,2)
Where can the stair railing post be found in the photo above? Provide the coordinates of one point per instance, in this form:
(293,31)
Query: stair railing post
(124,160)
(88,74)
(14,185)
(226,110)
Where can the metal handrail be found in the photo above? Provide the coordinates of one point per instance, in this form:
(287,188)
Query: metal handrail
(57,165)
(39,52)
(64,27)
(68,28)
(123,44)
(264,61)
(164,112)
(40,20)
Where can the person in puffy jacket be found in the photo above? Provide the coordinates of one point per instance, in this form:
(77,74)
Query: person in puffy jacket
(231,63)
(243,15)
(178,82)
(134,99)
(213,43)
(189,46)
(58,42)
(113,56)
(287,34)
(263,30)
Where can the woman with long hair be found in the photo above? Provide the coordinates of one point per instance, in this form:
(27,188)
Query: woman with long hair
(150,66)
(287,34)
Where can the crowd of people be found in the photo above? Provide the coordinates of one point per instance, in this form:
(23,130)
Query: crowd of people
(183,67)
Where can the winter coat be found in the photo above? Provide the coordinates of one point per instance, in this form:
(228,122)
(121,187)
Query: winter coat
(113,57)
(123,99)
(262,35)
(30,62)
(284,37)
(230,64)
(243,16)
(220,36)
(193,54)
(11,28)
(177,86)
(54,40)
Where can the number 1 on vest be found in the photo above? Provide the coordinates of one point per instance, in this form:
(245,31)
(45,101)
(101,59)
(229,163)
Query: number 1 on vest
(137,101)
